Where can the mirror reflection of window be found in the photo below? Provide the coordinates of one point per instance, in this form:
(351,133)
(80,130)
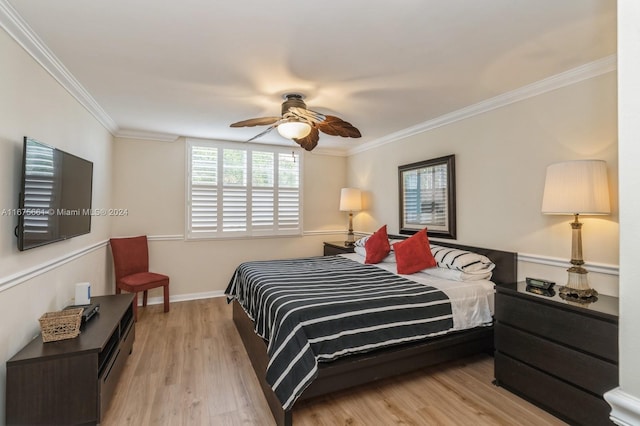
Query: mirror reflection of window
(426,196)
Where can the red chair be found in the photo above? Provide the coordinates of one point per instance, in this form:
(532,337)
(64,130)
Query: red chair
(131,262)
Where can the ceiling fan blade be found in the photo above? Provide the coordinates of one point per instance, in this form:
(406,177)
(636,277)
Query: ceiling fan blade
(307,114)
(335,126)
(263,121)
(264,132)
(310,141)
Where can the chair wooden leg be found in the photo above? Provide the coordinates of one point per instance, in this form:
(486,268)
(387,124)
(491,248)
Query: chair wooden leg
(135,306)
(166,298)
(144,298)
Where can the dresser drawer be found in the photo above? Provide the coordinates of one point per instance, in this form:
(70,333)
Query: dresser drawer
(583,370)
(567,401)
(581,331)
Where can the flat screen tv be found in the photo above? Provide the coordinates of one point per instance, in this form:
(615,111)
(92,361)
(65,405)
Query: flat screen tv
(55,195)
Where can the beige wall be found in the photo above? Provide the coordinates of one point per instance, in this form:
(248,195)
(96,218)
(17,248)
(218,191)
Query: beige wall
(149,181)
(501,157)
(43,279)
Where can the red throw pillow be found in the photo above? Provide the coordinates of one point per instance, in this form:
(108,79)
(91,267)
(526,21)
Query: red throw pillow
(414,254)
(377,246)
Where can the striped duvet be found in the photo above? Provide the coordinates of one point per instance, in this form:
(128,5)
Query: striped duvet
(318,309)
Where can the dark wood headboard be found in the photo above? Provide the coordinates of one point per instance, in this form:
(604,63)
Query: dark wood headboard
(506,271)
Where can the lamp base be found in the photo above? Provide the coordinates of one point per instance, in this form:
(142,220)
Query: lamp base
(351,238)
(578,286)
(571,293)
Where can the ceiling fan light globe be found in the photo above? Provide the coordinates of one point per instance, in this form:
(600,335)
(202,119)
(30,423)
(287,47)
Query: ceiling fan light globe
(294,129)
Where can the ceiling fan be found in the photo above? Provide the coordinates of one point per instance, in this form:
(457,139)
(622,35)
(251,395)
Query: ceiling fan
(300,124)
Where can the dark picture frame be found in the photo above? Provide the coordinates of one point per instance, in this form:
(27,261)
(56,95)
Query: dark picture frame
(427,192)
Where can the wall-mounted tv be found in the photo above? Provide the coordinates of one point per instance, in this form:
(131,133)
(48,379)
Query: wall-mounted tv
(55,195)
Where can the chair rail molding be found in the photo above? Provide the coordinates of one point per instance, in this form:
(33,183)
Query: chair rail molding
(601,268)
(29,273)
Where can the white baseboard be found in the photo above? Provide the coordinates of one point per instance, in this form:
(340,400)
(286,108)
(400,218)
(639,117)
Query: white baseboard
(625,408)
(183,297)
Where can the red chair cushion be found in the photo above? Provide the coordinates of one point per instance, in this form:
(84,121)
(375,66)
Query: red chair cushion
(143,278)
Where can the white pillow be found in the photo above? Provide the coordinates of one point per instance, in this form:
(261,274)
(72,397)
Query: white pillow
(362,241)
(391,257)
(461,260)
(455,275)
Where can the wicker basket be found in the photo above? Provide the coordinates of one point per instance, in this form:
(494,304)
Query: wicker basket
(60,325)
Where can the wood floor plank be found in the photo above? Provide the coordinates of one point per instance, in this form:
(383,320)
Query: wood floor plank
(189,367)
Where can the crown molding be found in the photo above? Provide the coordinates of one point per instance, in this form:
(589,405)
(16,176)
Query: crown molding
(566,78)
(22,33)
(149,136)
(334,152)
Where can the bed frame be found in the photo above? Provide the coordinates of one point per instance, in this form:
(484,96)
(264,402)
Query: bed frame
(376,365)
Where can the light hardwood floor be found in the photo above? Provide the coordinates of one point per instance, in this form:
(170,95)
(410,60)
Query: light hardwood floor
(188,367)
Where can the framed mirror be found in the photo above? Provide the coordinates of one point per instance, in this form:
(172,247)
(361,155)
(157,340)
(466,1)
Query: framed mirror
(428,197)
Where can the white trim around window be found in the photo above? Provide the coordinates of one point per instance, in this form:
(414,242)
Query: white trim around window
(242,190)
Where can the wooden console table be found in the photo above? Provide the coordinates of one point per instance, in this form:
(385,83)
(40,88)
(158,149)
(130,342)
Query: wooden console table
(72,381)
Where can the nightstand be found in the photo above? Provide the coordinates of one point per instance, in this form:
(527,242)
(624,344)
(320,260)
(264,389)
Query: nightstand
(558,355)
(337,247)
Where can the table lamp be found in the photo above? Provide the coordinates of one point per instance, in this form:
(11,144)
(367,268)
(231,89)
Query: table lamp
(350,201)
(577,188)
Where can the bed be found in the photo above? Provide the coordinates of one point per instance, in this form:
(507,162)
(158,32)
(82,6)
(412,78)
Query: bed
(348,369)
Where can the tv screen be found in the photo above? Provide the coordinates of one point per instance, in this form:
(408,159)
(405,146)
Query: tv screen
(55,195)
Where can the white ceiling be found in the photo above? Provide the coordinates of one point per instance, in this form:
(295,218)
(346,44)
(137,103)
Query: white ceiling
(191,68)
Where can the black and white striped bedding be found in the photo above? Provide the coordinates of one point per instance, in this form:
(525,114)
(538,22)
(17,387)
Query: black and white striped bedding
(317,309)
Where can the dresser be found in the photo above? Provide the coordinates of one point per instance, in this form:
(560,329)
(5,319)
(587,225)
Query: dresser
(337,247)
(72,381)
(561,356)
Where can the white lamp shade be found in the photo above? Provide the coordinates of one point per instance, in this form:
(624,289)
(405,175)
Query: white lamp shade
(350,200)
(294,129)
(576,187)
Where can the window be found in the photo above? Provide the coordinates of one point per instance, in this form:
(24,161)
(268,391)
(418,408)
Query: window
(240,190)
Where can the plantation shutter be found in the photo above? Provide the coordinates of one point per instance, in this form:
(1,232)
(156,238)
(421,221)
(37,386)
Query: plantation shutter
(240,190)
(263,191)
(288,193)
(203,217)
